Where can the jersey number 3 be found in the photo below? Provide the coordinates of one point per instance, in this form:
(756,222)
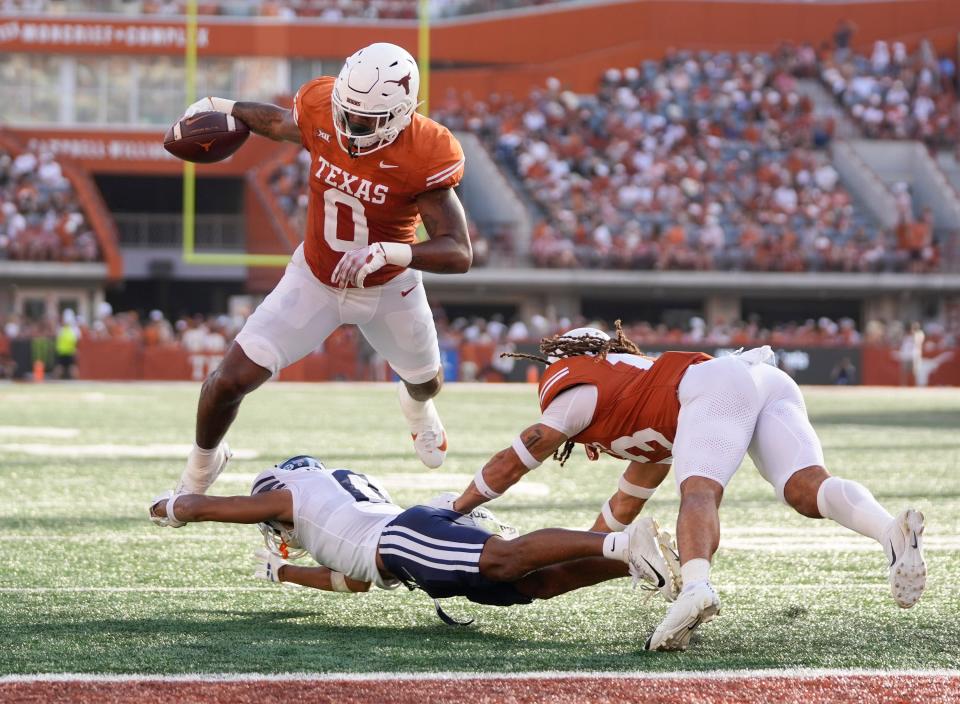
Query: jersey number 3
(344,221)
(640,446)
(359,487)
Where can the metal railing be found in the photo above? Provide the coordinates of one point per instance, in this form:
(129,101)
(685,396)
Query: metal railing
(161,230)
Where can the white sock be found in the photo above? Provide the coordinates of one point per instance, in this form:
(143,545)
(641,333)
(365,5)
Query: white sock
(201,457)
(616,546)
(413,410)
(694,571)
(852,505)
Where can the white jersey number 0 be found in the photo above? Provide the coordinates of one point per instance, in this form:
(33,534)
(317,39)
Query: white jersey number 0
(334,202)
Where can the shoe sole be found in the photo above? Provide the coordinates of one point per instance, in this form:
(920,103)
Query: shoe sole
(908,575)
(679,639)
(441,451)
(670,556)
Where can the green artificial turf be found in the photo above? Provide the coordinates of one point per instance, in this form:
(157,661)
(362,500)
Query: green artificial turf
(88,584)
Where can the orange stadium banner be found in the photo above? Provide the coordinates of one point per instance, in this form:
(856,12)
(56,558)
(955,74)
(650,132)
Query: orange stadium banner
(135,151)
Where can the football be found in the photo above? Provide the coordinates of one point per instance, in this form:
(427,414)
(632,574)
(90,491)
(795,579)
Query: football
(205,137)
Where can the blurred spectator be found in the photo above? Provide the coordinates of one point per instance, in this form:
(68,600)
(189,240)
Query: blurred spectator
(68,336)
(844,374)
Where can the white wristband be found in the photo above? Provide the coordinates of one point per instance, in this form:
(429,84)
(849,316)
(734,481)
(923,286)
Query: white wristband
(640,492)
(397,253)
(529,461)
(224,105)
(339,582)
(610,519)
(170,502)
(483,487)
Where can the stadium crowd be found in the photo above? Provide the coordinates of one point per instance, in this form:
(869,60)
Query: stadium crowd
(895,94)
(328,10)
(40,219)
(698,161)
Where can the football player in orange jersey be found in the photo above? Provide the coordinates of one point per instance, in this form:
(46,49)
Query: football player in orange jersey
(377,169)
(706,414)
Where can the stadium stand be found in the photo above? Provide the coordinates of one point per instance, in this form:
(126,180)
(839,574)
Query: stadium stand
(40,217)
(895,94)
(699,161)
(328,10)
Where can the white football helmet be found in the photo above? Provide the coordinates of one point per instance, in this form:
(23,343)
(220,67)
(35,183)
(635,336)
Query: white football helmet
(276,537)
(582,332)
(374,97)
(587,332)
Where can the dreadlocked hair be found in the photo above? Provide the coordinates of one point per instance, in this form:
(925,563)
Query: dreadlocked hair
(561,347)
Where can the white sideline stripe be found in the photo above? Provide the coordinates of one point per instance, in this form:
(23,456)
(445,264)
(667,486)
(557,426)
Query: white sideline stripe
(407,481)
(798,673)
(157,451)
(722,587)
(38,431)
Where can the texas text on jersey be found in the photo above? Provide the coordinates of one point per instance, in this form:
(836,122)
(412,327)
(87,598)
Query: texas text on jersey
(637,407)
(371,198)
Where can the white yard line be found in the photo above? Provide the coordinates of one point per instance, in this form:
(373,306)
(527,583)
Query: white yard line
(112,451)
(798,673)
(433,481)
(19,431)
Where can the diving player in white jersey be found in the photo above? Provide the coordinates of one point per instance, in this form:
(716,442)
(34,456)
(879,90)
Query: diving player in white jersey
(347,522)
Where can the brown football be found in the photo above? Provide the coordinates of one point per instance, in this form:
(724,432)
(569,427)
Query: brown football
(206,137)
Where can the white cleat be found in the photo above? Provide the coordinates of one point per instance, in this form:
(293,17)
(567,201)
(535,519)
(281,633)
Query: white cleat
(431,446)
(696,604)
(197,478)
(903,544)
(647,561)
(429,437)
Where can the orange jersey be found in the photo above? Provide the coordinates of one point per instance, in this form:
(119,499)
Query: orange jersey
(371,198)
(637,405)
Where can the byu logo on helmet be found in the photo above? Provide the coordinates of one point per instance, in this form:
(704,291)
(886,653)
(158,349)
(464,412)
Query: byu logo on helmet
(374,97)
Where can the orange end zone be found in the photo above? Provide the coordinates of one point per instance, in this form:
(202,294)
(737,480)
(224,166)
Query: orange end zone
(614,689)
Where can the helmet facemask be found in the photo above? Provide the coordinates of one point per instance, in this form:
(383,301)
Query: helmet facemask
(277,538)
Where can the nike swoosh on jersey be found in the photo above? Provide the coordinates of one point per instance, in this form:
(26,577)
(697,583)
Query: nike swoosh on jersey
(403,294)
(385,165)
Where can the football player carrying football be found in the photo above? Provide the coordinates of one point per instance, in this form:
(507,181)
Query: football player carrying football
(377,169)
(703,415)
(350,526)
